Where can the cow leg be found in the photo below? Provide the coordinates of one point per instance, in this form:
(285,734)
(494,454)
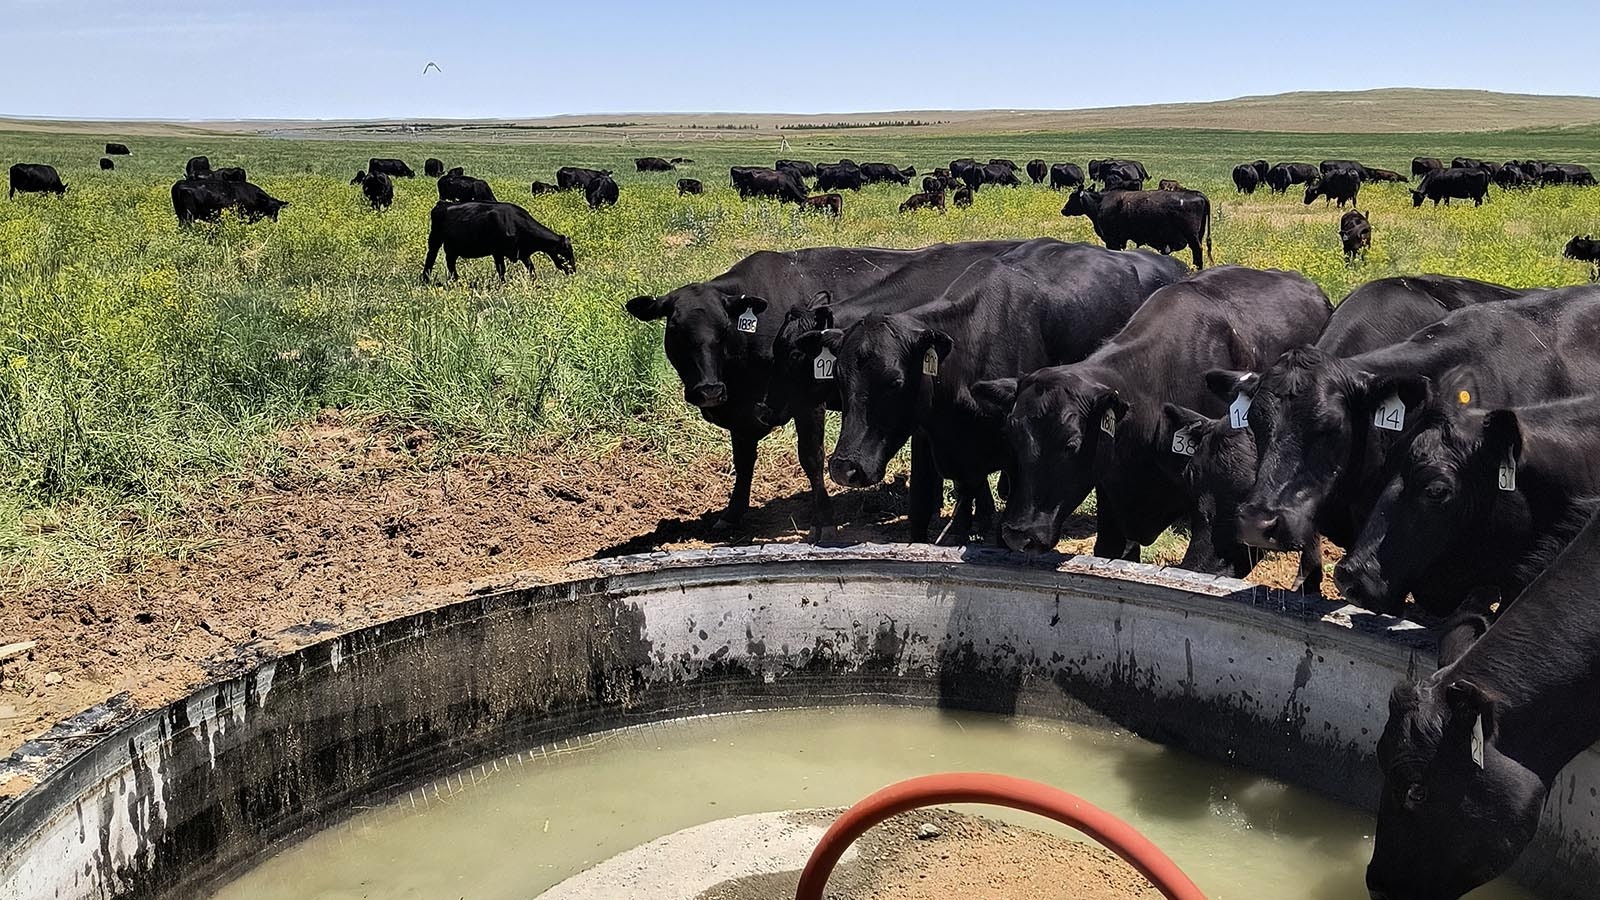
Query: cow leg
(744,469)
(527,260)
(500,267)
(1308,580)
(1111,543)
(959,528)
(926,490)
(983,502)
(808,426)
(450,264)
(1194,247)
(433,256)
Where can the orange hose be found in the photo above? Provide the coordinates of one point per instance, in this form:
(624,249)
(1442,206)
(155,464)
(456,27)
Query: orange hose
(1000,790)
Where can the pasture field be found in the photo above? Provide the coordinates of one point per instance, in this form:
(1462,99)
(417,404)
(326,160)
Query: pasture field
(140,361)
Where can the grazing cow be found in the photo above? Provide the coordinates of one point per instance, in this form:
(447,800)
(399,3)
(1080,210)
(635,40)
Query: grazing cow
(1038,170)
(1262,169)
(1574,174)
(542,187)
(1513,178)
(1355,233)
(960,167)
(1100,425)
(1422,165)
(1454,182)
(1373,174)
(1245,179)
(393,168)
(840,178)
(690,186)
(1467,162)
(360,176)
(1471,753)
(1042,303)
(197,167)
(832,204)
(1340,185)
(682,161)
(433,168)
(1585,249)
(801,167)
(1065,175)
(106,165)
(1330,421)
(195,199)
(1009,164)
(35,178)
(878,173)
(1168,184)
(1165,221)
(933,184)
(504,231)
(378,189)
(457,187)
(601,192)
(113,149)
(963,197)
(653,164)
(1283,176)
(909,171)
(1342,165)
(1222,472)
(577,178)
(991,174)
(230,173)
(925,200)
(1473,499)
(782,186)
(1125,169)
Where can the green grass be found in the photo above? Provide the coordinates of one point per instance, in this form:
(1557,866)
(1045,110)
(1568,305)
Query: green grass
(139,360)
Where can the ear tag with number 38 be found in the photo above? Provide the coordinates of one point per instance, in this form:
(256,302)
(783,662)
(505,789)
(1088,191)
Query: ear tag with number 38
(1239,412)
(747,321)
(930,363)
(1390,414)
(1184,442)
(822,366)
(1507,479)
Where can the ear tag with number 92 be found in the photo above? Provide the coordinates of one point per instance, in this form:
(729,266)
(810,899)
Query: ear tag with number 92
(1184,442)
(1239,412)
(930,363)
(747,321)
(822,366)
(1390,414)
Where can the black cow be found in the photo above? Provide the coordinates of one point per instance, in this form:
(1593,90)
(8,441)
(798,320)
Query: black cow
(197,167)
(801,167)
(1340,185)
(1122,176)
(1065,175)
(1355,234)
(195,199)
(1467,162)
(577,178)
(960,167)
(230,173)
(1372,174)
(1262,169)
(1222,472)
(456,170)
(682,161)
(1473,499)
(1038,170)
(1328,422)
(1245,179)
(601,192)
(1342,165)
(1283,176)
(1044,303)
(1513,178)
(1126,169)
(653,164)
(1585,249)
(992,174)
(393,168)
(35,178)
(1575,174)
(433,168)
(117,149)
(1162,220)
(378,189)
(542,187)
(1009,164)
(1422,165)
(458,187)
(1455,182)
(106,165)
(934,184)
(840,178)
(832,204)
(502,230)
(963,198)
(1471,752)
(924,200)
(690,186)
(879,173)
(782,186)
(1100,424)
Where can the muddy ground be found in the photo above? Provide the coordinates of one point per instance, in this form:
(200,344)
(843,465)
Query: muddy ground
(356,520)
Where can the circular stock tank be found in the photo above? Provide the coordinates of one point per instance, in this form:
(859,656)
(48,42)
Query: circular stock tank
(178,801)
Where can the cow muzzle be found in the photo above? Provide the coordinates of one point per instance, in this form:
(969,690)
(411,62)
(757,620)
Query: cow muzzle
(850,473)
(1269,529)
(708,395)
(1361,583)
(1032,538)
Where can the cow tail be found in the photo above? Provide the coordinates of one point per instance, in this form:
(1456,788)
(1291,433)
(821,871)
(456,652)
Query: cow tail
(1210,260)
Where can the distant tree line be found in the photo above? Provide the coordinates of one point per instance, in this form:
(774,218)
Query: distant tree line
(826,126)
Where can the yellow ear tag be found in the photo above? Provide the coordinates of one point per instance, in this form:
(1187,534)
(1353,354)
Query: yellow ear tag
(1464,398)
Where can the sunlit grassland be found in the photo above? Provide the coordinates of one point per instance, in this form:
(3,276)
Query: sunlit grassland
(138,360)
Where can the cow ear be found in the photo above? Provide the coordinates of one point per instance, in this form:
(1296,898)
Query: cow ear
(646,308)
(1458,635)
(1412,389)
(996,397)
(1228,383)
(737,305)
(1502,435)
(1474,708)
(1175,418)
(938,340)
(812,342)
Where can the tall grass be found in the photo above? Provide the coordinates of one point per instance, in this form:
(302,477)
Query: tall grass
(138,359)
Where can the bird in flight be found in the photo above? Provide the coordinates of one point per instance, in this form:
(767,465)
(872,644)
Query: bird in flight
(434,66)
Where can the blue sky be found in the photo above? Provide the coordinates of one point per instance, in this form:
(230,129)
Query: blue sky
(179,59)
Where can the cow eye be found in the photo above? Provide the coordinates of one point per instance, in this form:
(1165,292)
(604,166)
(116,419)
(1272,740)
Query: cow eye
(1416,794)
(1438,490)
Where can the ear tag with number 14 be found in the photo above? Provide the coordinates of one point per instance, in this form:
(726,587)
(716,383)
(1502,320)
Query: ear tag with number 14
(1238,413)
(1390,414)
(930,363)
(822,366)
(747,321)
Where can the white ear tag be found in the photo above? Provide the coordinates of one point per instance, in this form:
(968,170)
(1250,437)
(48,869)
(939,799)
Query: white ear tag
(1184,442)
(1507,480)
(1108,423)
(1390,414)
(930,363)
(1239,412)
(1477,741)
(747,321)
(822,366)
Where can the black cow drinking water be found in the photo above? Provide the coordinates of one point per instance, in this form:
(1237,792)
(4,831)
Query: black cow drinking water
(504,231)
(393,168)
(1162,220)
(455,186)
(1099,424)
(35,178)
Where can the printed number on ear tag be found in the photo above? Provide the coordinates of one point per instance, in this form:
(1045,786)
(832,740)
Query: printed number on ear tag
(1184,442)
(1108,423)
(930,363)
(1239,412)
(747,321)
(822,366)
(1507,480)
(1390,414)
(1477,742)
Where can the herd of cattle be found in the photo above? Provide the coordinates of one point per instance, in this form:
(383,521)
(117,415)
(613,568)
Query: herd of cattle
(1444,431)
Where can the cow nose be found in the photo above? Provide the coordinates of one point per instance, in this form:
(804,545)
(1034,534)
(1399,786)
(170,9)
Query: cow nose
(1026,539)
(767,416)
(707,395)
(848,472)
(1259,528)
(1360,582)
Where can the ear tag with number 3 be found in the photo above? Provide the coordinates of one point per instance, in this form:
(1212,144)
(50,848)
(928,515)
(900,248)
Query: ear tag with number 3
(822,366)
(1184,442)
(1108,424)
(1239,412)
(1477,742)
(930,363)
(747,321)
(1507,480)
(1390,414)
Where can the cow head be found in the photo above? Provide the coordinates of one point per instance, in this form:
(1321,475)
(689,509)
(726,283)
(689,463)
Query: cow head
(1057,423)
(361,175)
(560,253)
(701,335)
(801,337)
(881,384)
(1218,476)
(1313,190)
(1583,248)
(1417,196)
(1455,812)
(1435,487)
(1082,202)
(271,205)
